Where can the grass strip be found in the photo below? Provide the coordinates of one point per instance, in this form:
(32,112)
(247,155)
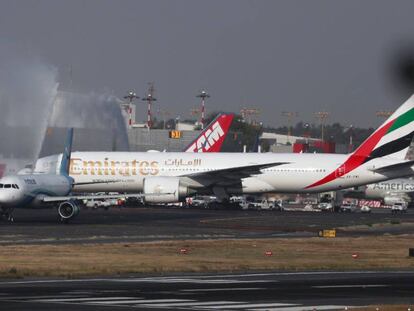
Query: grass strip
(297,254)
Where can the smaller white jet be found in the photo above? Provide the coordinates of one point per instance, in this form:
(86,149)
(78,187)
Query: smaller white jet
(38,190)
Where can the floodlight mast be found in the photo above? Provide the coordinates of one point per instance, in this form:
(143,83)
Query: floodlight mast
(203,95)
(150,99)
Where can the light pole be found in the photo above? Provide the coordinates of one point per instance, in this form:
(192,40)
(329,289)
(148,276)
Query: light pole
(150,99)
(203,95)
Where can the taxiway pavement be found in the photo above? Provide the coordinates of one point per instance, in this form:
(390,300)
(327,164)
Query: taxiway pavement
(151,224)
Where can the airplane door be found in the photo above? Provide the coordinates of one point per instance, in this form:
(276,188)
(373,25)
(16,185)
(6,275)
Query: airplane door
(340,171)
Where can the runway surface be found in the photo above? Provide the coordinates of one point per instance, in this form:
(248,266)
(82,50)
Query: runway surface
(149,224)
(244,291)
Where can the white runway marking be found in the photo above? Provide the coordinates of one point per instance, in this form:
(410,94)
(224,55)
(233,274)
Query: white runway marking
(301,308)
(140,301)
(250,305)
(350,286)
(222,289)
(37,297)
(195,280)
(208,277)
(83,299)
(191,304)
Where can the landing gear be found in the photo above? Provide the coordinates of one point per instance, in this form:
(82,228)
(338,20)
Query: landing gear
(6,213)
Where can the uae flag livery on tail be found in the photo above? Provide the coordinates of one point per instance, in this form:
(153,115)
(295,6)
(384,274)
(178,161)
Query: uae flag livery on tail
(392,139)
(212,137)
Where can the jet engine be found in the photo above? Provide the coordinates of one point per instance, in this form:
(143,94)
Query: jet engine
(67,210)
(165,190)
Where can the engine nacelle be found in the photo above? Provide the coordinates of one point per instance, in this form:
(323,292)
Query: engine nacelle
(164,190)
(68,210)
(390,200)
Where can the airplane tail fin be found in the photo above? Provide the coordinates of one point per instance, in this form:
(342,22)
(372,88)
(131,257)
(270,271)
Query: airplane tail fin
(393,138)
(212,137)
(65,162)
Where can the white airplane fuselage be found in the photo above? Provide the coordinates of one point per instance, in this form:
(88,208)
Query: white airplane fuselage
(126,171)
(27,190)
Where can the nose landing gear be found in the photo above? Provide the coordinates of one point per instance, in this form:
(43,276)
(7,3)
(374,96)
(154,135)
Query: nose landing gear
(6,213)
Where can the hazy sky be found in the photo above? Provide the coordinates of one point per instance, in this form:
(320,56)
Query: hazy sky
(301,56)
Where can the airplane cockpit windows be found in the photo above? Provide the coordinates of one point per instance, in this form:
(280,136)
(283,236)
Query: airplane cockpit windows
(9,186)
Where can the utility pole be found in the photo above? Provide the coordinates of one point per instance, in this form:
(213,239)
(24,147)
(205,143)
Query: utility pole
(149,99)
(203,95)
(322,116)
(131,96)
(290,115)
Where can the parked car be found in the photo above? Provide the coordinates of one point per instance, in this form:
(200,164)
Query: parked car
(261,204)
(365,209)
(198,202)
(325,207)
(347,208)
(399,207)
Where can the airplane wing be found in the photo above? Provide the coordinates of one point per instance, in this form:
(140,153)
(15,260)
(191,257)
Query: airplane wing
(48,199)
(230,176)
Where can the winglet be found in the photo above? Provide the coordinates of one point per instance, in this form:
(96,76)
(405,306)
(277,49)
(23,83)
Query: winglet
(65,163)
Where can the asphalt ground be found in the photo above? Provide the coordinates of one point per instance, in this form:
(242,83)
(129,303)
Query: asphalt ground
(243,291)
(167,223)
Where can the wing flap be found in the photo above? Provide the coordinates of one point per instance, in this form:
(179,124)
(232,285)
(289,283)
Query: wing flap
(48,199)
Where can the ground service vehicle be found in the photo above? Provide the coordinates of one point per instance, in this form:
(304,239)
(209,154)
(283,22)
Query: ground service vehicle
(399,207)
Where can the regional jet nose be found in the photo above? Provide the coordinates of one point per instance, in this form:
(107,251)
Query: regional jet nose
(9,194)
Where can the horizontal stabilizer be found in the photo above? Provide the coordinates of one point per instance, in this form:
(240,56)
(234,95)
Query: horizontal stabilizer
(399,166)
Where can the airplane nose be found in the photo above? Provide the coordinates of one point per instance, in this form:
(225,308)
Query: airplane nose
(6,199)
